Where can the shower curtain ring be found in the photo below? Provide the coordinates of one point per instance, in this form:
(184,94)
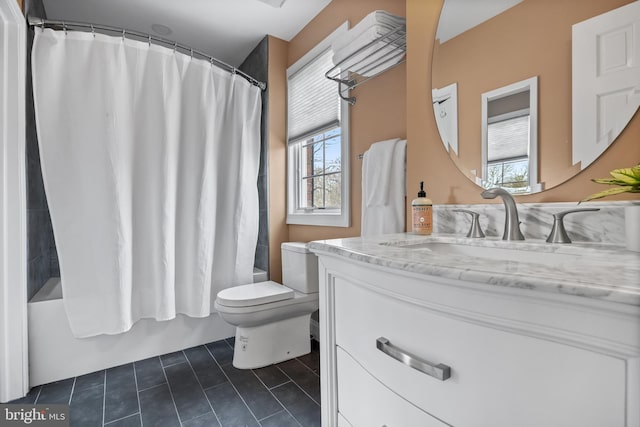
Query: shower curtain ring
(211,60)
(93,31)
(192,53)
(123,31)
(175,46)
(149,40)
(64,27)
(42,25)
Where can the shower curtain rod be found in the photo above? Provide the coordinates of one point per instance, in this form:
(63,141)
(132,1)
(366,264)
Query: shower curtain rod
(68,25)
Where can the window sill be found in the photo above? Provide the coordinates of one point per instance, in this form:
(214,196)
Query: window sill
(319,219)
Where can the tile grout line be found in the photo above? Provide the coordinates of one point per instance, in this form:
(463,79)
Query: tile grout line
(308,367)
(231,382)
(279,412)
(37,396)
(298,385)
(200,384)
(73,387)
(149,388)
(123,418)
(170,392)
(283,405)
(276,398)
(172,363)
(104,396)
(135,378)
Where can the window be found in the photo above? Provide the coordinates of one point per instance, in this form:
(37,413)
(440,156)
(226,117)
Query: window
(508,152)
(509,137)
(320,163)
(318,144)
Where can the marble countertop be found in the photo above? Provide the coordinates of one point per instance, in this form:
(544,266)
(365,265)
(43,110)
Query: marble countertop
(597,271)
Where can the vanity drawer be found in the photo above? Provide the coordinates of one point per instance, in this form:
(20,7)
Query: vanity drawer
(365,402)
(497,378)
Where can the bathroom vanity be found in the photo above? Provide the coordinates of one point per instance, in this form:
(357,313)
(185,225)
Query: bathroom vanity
(443,330)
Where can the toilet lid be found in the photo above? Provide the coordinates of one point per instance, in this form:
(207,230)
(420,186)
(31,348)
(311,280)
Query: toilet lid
(254,294)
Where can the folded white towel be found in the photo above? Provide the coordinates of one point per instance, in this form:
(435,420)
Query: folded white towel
(383,188)
(379,19)
(359,42)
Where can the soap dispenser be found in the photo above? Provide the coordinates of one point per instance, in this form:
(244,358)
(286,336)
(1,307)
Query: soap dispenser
(422,213)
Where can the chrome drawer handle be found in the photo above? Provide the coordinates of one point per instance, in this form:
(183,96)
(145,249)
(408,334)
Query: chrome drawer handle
(439,371)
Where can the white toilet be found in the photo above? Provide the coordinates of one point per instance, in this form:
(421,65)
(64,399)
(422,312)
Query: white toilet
(272,320)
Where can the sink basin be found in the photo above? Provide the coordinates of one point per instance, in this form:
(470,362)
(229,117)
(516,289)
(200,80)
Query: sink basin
(497,254)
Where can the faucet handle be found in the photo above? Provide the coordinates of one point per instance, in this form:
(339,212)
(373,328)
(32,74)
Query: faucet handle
(475,231)
(558,233)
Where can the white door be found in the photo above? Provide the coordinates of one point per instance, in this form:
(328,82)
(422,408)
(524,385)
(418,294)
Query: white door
(606,79)
(445,107)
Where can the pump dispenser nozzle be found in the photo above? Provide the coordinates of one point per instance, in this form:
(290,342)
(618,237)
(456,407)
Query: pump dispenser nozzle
(422,193)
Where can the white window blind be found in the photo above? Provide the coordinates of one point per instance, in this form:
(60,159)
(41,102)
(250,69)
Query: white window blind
(314,103)
(508,139)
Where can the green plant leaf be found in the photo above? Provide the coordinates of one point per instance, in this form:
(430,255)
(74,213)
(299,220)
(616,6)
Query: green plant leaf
(612,191)
(609,181)
(630,176)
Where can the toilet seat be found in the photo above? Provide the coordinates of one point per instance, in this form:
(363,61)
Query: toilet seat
(254,294)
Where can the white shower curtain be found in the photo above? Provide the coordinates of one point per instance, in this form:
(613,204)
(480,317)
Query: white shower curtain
(150,162)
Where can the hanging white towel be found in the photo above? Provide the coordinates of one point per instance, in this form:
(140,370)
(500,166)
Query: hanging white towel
(383,188)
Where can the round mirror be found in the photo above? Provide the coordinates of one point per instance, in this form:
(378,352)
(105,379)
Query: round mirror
(527,93)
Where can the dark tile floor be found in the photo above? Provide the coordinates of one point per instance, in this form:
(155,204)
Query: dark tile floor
(195,387)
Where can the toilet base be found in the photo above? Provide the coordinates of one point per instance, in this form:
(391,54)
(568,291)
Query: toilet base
(264,345)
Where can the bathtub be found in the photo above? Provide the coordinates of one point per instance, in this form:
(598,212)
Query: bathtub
(55,354)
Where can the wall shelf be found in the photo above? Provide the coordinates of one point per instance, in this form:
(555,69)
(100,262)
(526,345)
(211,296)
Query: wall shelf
(369,61)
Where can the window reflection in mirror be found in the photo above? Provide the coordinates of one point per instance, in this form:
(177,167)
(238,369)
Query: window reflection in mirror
(509,137)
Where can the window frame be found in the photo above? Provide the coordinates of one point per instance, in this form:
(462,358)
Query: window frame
(319,217)
(530,85)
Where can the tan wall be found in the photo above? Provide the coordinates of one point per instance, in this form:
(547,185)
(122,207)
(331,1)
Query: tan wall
(378,114)
(483,59)
(398,104)
(426,157)
(277,83)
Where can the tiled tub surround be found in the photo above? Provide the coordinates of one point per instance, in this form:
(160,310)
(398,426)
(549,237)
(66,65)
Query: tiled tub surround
(604,226)
(195,387)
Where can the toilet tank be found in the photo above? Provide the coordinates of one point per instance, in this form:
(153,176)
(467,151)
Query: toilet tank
(299,267)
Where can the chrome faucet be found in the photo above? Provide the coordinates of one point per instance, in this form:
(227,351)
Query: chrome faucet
(511,221)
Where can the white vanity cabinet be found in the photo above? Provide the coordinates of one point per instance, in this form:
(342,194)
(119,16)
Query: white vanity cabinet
(516,357)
